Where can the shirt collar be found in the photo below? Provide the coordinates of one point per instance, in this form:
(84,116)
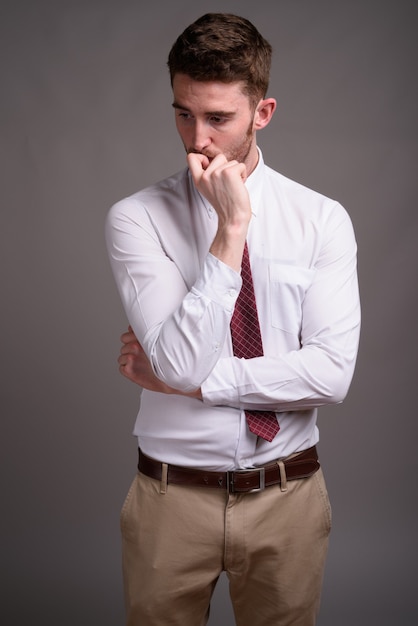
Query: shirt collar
(254,183)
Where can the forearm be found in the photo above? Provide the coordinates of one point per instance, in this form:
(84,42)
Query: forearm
(186,346)
(314,372)
(222,184)
(278,384)
(303,368)
(299,380)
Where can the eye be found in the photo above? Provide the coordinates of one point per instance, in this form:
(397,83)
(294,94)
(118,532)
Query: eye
(184,115)
(217,119)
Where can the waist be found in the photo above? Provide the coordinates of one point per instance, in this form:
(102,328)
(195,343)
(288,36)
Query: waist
(172,429)
(301,465)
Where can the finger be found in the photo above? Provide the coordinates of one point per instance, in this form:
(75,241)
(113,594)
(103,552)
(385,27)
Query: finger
(126,361)
(132,348)
(128,337)
(127,370)
(220,164)
(216,164)
(219,160)
(125,349)
(197,163)
(124,371)
(132,332)
(122,359)
(197,159)
(232,165)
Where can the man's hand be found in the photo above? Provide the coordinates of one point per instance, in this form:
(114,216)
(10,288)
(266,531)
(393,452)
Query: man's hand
(135,366)
(221,182)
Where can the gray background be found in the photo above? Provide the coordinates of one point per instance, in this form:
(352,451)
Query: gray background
(86,119)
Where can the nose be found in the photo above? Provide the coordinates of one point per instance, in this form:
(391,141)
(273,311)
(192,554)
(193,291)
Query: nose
(201,137)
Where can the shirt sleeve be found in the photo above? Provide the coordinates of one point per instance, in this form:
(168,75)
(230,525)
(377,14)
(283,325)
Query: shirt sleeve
(181,329)
(319,371)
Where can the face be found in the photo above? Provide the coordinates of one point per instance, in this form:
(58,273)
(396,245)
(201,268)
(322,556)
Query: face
(215,117)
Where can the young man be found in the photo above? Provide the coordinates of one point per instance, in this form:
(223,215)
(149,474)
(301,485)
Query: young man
(214,492)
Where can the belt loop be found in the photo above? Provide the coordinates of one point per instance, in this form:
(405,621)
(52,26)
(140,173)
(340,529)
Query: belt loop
(164,476)
(283,477)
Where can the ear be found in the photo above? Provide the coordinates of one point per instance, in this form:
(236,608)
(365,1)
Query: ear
(264,112)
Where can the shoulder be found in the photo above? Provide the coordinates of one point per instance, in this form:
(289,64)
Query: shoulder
(303,200)
(160,196)
(294,188)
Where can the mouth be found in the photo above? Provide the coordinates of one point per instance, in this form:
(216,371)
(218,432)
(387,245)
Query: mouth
(209,157)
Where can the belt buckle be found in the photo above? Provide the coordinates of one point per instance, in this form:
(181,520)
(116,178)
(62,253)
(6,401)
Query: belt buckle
(262,480)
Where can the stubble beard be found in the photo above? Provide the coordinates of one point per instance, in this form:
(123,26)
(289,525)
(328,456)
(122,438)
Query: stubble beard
(237,152)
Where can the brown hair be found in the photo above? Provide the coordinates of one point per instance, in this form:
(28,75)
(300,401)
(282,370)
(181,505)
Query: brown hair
(226,48)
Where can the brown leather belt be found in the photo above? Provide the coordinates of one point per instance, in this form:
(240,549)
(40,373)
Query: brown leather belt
(302,465)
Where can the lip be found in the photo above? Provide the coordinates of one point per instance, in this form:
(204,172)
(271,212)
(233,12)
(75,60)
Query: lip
(209,157)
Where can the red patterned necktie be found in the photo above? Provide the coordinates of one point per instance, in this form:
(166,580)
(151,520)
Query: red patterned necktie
(247,344)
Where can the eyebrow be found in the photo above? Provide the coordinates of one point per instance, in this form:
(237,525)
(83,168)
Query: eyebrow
(177,105)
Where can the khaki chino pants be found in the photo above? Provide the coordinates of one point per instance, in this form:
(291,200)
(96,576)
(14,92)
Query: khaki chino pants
(176,540)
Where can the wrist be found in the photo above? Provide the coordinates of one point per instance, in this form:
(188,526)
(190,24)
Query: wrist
(228,246)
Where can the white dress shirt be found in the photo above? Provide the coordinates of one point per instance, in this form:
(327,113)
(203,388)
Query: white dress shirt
(179,300)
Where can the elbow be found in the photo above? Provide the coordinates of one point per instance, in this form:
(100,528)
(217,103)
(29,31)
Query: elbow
(184,364)
(179,381)
(336,385)
(339,392)
(334,370)
(180,375)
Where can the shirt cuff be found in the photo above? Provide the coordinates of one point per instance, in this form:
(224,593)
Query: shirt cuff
(219,283)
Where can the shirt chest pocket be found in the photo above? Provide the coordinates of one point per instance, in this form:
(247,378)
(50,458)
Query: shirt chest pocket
(288,285)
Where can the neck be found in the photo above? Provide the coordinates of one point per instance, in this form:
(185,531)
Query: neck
(251,160)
